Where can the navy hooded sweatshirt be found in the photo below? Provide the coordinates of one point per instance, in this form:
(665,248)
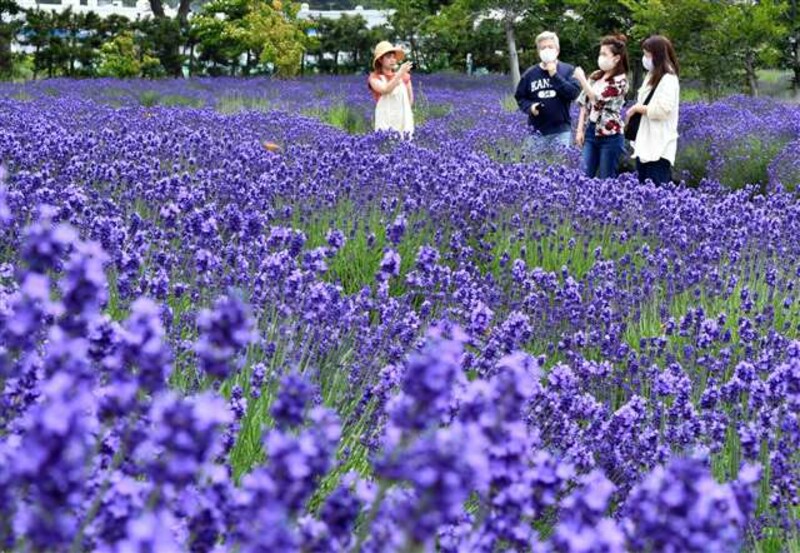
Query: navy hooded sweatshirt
(553,94)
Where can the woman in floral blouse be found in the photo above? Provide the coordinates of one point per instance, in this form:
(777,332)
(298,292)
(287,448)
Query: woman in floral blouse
(600,126)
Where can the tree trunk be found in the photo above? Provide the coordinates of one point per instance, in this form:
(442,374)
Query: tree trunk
(157,7)
(796,79)
(72,54)
(191,60)
(513,59)
(796,65)
(183,12)
(750,73)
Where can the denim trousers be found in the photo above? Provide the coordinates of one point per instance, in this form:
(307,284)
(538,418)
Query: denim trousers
(538,143)
(601,153)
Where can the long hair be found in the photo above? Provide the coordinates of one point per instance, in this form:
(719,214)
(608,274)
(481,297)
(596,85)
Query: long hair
(617,45)
(664,58)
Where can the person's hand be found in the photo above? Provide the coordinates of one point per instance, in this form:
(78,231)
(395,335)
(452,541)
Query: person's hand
(551,68)
(405,68)
(638,108)
(535,109)
(580,138)
(580,75)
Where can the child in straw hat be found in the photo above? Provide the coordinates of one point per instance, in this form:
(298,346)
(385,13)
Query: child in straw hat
(392,90)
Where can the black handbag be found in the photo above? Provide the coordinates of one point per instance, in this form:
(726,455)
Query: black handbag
(633,123)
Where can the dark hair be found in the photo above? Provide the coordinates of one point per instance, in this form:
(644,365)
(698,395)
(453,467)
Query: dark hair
(617,45)
(664,58)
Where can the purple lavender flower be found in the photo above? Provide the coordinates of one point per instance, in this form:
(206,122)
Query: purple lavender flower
(151,531)
(390,266)
(5,212)
(340,512)
(84,291)
(680,507)
(257,379)
(335,239)
(442,468)
(143,345)
(294,394)
(50,463)
(27,312)
(123,501)
(395,231)
(183,437)
(296,462)
(582,527)
(429,381)
(224,331)
(46,244)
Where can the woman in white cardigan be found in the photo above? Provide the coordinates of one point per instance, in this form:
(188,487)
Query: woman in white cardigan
(657,139)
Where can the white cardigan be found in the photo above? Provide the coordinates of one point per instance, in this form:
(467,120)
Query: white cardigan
(658,132)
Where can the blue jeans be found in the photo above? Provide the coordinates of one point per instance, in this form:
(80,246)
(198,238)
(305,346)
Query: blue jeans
(601,153)
(537,143)
(660,172)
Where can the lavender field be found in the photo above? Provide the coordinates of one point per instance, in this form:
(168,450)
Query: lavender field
(347,342)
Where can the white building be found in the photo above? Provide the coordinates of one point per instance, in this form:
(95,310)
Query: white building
(131,9)
(374,18)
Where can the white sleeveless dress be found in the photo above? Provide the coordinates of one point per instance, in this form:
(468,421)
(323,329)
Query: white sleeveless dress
(393,111)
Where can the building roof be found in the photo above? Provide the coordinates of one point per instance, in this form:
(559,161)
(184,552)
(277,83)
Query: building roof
(103,8)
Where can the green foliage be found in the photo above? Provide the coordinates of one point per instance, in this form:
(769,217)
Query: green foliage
(749,35)
(269,33)
(343,116)
(9,27)
(408,22)
(159,38)
(148,98)
(121,58)
(347,34)
(691,162)
(67,43)
(234,103)
(455,31)
(277,35)
(747,162)
(509,103)
(424,110)
(720,43)
(22,68)
(220,33)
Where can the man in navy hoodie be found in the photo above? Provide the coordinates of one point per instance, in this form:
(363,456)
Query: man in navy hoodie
(545,92)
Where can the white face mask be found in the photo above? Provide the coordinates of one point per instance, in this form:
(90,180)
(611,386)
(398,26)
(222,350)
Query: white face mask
(647,62)
(548,55)
(605,63)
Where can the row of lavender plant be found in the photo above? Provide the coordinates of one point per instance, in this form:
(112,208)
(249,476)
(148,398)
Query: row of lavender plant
(207,344)
(737,141)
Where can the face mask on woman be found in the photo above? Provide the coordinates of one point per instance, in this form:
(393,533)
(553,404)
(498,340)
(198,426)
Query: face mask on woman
(605,63)
(548,55)
(647,62)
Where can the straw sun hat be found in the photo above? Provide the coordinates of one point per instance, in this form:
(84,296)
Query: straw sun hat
(383,48)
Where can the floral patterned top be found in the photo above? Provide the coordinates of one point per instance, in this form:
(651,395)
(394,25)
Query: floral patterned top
(606,111)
